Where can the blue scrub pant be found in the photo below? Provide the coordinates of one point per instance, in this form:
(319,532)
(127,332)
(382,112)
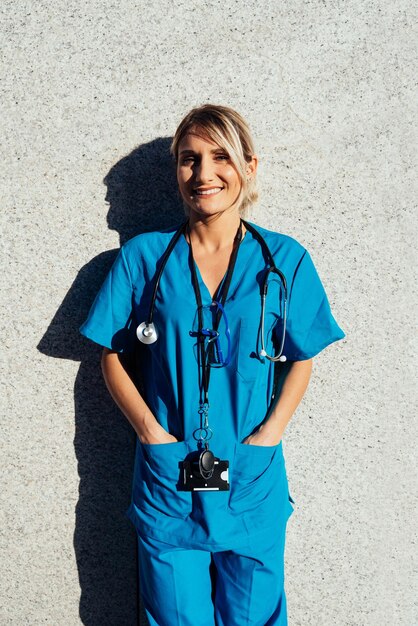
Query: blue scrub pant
(185,587)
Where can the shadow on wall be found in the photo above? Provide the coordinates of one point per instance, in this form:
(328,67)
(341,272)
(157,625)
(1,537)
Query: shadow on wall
(142,194)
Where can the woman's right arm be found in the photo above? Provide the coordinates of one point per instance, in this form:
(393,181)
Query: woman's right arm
(129,400)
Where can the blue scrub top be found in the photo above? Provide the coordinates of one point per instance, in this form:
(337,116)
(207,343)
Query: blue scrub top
(239,394)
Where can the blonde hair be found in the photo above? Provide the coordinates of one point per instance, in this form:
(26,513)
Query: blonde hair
(230,131)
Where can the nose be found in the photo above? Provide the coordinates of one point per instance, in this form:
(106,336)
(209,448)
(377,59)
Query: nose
(204,170)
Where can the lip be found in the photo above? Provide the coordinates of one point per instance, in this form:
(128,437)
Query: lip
(215,190)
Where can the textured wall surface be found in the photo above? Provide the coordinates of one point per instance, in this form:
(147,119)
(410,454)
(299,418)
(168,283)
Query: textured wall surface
(90,94)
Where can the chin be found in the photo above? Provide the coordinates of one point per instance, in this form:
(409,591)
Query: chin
(207,210)
(215,213)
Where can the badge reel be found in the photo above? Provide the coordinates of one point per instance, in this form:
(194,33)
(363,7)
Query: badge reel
(201,469)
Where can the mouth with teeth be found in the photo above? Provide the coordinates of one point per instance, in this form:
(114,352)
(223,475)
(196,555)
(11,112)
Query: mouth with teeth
(207,192)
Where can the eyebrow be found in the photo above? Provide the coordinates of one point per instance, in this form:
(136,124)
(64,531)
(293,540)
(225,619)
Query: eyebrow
(212,151)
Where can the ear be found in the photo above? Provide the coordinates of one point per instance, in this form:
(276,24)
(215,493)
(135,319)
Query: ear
(251,168)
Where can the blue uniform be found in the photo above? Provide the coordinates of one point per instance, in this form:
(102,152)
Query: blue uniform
(240,531)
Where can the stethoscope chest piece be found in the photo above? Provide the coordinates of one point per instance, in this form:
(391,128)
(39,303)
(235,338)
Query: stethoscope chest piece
(147,333)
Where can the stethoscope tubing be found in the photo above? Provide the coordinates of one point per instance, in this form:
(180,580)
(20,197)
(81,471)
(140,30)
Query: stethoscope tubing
(167,253)
(275,270)
(272,268)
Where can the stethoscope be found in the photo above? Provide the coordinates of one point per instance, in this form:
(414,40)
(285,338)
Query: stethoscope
(147,332)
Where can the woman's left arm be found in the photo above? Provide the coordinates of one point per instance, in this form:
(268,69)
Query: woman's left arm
(295,384)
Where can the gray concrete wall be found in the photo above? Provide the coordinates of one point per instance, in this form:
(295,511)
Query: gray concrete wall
(91,92)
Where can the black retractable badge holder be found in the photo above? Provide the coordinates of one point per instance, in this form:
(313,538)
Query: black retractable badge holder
(202,470)
(206,463)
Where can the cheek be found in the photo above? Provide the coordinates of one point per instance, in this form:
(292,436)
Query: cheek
(183,187)
(232,178)
(181,180)
(184,174)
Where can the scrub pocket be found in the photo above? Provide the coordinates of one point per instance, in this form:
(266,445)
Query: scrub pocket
(162,474)
(254,474)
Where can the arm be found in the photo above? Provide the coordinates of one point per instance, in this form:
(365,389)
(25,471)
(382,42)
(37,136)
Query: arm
(129,400)
(271,430)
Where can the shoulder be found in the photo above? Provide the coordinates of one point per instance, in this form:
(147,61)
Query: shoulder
(280,243)
(149,246)
(142,252)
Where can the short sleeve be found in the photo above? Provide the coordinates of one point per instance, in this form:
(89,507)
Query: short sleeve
(110,319)
(310,325)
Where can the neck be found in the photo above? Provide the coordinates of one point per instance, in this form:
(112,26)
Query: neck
(215,232)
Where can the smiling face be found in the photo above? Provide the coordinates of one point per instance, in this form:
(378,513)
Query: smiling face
(208,180)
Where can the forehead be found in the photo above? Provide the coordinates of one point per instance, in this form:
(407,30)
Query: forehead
(197,140)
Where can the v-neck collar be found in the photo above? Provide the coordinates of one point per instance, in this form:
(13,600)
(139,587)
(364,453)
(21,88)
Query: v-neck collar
(243,258)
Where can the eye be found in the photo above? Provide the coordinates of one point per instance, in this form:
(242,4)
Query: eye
(187,159)
(222,157)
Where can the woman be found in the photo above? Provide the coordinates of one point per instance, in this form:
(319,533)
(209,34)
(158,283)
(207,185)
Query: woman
(210,498)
